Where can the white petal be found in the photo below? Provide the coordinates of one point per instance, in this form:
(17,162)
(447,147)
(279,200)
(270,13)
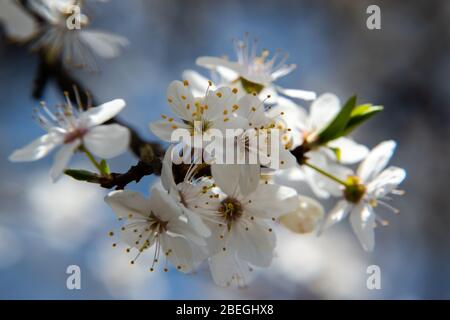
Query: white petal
(37,149)
(164,206)
(351,152)
(181,100)
(103,113)
(323,110)
(256,243)
(125,202)
(249,178)
(287,159)
(105,45)
(270,201)
(298,94)
(107,141)
(198,83)
(227,269)
(220,103)
(167,178)
(214,63)
(230,122)
(163,129)
(251,108)
(337,214)
(284,70)
(385,182)
(339,171)
(197,224)
(62,158)
(362,220)
(316,181)
(294,117)
(376,160)
(226,177)
(17,23)
(183,254)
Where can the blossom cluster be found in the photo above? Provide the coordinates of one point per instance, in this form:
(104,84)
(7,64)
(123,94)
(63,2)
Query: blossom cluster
(225,213)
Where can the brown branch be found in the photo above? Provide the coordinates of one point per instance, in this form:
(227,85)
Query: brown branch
(120,180)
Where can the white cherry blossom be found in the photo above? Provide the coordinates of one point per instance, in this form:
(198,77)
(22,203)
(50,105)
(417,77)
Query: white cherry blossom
(306,218)
(71,129)
(242,238)
(199,116)
(253,71)
(157,222)
(75,46)
(367,189)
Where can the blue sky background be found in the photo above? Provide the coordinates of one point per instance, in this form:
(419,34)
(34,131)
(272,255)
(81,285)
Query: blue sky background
(45,227)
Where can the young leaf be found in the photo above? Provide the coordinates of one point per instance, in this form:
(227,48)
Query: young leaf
(361,114)
(337,126)
(104,167)
(83,175)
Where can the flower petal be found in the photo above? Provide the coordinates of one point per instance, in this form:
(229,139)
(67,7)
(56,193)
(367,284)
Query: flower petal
(105,45)
(226,177)
(163,129)
(183,255)
(323,110)
(350,151)
(167,178)
(251,108)
(282,71)
(128,204)
(164,206)
(256,243)
(271,201)
(62,158)
(180,99)
(103,113)
(227,269)
(37,149)
(362,220)
(298,94)
(215,63)
(337,214)
(18,24)
(107,141)
(220,103)
(197,82)
(386,181)
(376,160)
(249,178)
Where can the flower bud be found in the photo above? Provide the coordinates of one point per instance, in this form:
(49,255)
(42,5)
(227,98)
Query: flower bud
(306,218)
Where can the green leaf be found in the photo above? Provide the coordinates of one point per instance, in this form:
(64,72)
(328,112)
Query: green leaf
(337,126)
(361,114)
(83,175)
(104,167)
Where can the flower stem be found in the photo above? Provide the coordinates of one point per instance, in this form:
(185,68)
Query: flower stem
(326,174)
(94,162)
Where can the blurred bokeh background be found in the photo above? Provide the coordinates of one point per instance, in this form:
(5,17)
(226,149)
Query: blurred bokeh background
(405,67)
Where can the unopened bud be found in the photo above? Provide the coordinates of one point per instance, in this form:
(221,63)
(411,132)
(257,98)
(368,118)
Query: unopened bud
(306,218)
